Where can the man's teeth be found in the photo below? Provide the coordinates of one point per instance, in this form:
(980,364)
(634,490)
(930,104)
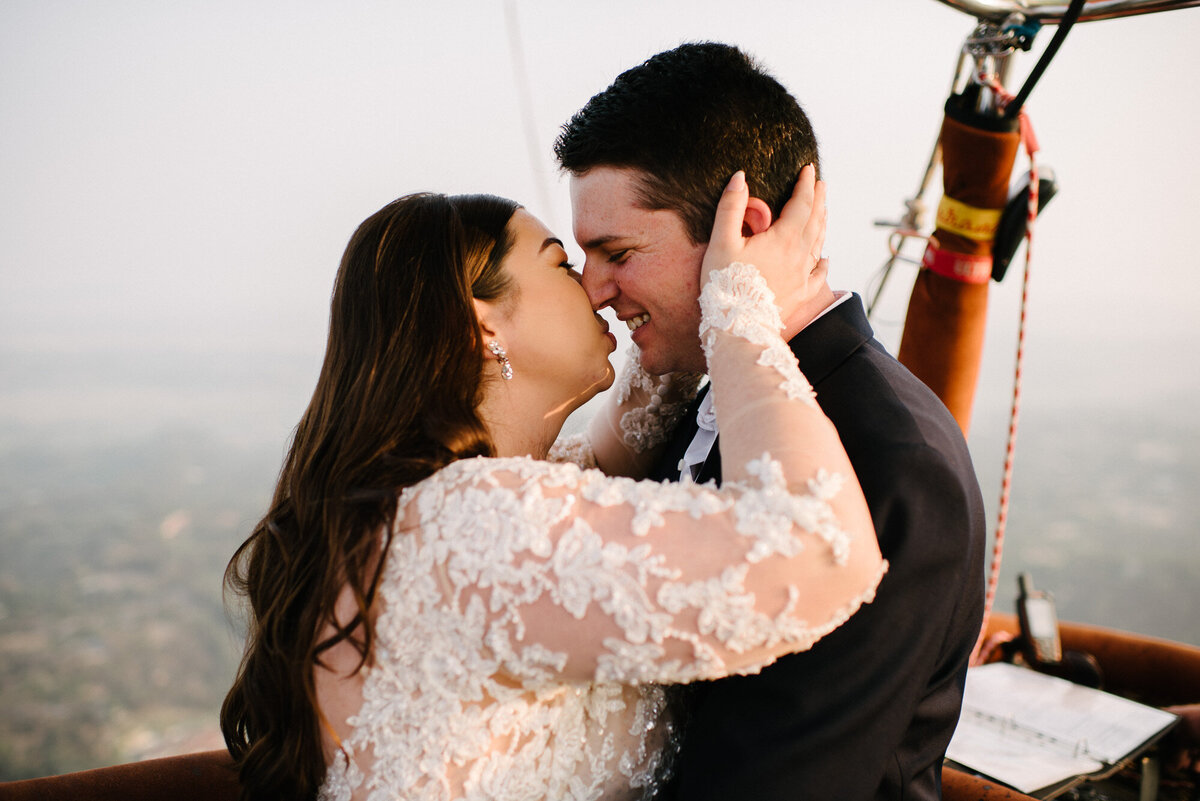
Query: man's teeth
(635,323)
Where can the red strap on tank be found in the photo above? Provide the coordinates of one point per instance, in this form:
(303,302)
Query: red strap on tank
(963,267)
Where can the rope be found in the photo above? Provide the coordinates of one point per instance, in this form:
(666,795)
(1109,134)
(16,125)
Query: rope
(1030,143)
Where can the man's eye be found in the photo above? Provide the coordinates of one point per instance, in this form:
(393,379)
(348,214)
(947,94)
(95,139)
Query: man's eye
(619,257)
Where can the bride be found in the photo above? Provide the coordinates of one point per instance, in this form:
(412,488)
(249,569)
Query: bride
(446,603)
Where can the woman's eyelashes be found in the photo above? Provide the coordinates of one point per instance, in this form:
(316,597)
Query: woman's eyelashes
(571,271)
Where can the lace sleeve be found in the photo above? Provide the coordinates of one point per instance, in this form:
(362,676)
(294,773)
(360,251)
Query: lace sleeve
(567,573)
(575,449)
(641,413)
(649,407)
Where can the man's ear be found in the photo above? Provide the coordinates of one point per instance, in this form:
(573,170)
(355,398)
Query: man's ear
(758,217)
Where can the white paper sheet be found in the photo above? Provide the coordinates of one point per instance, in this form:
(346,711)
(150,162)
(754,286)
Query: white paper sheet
(1030,730)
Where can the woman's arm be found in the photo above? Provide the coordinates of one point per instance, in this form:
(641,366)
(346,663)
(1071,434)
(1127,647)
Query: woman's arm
(570,574)
(627,434)
(574,574)
(640,412)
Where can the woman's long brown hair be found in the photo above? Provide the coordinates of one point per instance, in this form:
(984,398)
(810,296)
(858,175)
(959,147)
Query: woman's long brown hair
(396,400)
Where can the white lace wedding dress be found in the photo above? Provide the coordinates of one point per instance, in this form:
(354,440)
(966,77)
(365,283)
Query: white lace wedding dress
(528,610)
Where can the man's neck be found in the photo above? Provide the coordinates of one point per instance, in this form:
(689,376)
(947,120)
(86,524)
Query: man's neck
(796,321)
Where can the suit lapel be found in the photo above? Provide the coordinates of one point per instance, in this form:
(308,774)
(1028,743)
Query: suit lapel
(667,466)
(829,340)
(820,349)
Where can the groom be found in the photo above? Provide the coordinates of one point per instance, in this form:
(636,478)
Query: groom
(868,712)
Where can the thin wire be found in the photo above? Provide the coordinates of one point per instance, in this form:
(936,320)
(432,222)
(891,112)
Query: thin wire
(525,97)
(914,206)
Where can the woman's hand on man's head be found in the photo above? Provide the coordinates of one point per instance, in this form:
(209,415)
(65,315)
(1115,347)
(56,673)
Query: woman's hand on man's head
(786,251)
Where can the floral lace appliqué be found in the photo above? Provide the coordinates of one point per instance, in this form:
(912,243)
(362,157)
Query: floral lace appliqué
(462,701)
(738,300)
(667,398)
(576,449)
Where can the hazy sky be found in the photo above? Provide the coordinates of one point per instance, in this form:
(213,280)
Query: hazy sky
(178,179)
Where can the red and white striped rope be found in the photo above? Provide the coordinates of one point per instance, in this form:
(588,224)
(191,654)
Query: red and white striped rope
(1030,143)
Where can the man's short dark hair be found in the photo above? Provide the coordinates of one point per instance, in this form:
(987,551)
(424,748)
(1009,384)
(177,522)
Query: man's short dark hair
(688,119)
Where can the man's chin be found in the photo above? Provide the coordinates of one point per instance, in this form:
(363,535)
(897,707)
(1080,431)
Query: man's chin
(663,364)
(651,365)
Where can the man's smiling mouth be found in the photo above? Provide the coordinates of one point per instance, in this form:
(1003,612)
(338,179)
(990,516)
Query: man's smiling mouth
(635,323)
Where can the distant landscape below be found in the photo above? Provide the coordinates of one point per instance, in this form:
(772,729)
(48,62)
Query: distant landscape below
(115,645)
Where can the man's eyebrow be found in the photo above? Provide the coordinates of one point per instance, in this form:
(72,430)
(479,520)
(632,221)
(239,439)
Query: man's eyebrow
(600,241)
(551,240)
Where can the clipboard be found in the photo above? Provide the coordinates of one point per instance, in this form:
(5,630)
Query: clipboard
(1042,735)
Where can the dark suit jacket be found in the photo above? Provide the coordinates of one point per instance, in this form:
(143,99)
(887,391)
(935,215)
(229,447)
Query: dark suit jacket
(867,713)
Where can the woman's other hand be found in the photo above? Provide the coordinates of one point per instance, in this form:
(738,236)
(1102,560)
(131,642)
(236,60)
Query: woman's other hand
(786,251)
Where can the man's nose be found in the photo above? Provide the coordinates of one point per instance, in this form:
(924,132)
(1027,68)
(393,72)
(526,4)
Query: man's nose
(598,283)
